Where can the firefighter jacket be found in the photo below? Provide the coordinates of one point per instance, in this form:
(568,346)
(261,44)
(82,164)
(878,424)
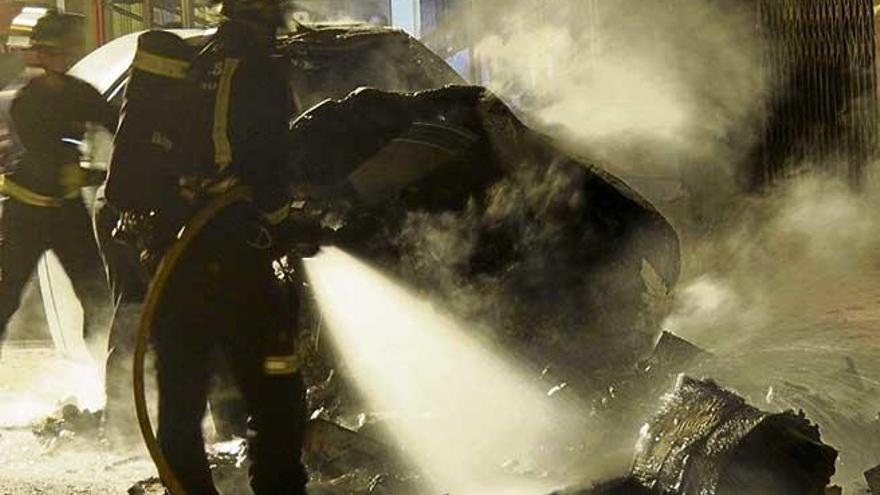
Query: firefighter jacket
(242,130)
(49,116)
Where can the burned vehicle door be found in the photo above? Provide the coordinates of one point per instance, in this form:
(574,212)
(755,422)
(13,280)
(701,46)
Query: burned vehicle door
(561,244)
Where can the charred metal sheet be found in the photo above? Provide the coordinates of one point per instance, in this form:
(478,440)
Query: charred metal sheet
(819,59)
(332,62)
(394,144)
(707,441)
(673,354)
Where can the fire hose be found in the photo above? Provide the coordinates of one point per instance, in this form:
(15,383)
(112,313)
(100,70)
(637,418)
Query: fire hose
(160,279)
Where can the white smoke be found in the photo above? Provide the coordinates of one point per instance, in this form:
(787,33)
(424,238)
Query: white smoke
(782,288)
(649,88)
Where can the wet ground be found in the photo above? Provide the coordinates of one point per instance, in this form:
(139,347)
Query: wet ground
(33,379)
(26,468)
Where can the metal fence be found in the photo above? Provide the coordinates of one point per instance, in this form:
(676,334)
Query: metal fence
(819,57)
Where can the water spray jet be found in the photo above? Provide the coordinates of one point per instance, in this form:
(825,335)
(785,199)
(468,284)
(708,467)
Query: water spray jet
(460,409)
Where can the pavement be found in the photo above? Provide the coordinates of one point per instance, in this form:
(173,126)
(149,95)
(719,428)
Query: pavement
(33,381)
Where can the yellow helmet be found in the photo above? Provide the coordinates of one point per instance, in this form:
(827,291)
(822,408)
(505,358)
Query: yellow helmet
(59,31)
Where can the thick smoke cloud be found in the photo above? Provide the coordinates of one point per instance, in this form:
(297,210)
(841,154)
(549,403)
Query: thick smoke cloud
(652,89)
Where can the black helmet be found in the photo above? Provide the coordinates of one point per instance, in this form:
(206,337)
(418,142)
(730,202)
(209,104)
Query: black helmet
(162,54)
(59,31)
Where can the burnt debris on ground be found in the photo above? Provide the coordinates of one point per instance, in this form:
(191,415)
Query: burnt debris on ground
(707,440)
(67,424)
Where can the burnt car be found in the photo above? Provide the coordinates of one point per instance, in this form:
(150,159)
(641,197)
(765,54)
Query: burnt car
(384,126)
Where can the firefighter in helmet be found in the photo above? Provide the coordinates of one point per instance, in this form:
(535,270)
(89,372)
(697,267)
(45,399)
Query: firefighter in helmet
(44,207)
(140,195)
(223,293)
(140,181)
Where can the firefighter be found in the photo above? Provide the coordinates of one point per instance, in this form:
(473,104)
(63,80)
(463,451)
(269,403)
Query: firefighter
(223,293)
(44,208)
(140,180)
(140,195)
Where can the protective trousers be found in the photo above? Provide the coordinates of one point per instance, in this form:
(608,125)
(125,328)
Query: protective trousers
(128,283)
(224,295)
(27,233)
